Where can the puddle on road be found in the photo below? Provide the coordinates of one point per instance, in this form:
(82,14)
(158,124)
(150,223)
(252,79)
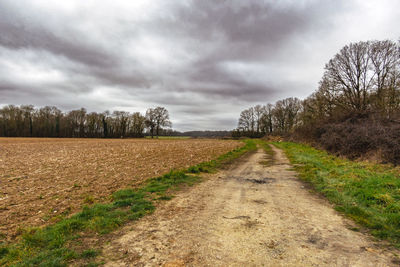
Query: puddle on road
(261,181)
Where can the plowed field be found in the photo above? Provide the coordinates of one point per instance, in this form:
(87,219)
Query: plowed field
(42,179)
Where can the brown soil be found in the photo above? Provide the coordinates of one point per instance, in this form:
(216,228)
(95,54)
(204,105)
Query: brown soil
(249,215)
(43,178)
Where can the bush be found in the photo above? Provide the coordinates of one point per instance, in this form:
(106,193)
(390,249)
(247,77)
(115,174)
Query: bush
(362,137)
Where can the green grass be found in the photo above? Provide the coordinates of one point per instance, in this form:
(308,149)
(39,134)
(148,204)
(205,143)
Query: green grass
(60,243)
(269,160)
(366,192)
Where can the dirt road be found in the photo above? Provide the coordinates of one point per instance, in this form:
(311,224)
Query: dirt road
(249,215)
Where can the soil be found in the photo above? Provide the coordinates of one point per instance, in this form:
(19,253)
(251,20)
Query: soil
(249,215)
(43,179)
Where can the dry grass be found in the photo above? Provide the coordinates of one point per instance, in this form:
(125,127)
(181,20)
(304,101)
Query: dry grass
(42,179)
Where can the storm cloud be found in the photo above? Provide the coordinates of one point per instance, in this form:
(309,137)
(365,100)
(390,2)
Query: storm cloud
(204,61)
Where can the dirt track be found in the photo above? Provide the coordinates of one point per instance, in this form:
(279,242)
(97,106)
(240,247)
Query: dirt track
(249,215)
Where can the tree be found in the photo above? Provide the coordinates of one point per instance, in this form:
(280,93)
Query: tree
(279,114)
(385,59)
(137,125)
(28,122)
(267,119)
(150,121)
(350,76)
(161,117)
(258,113)
(121,122)
(247,120)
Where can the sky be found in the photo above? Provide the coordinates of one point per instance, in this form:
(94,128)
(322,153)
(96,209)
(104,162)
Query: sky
(205,61)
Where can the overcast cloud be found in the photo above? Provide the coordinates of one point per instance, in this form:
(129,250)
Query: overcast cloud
(204,61)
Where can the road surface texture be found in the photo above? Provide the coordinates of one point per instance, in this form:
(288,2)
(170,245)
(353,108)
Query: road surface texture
(252,214)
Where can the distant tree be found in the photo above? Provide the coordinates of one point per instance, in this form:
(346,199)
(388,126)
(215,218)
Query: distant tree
(280,116)
(247,120)
(137,125)
(267,119)
(94,122)
(77,122)
(47,122)
(258,114)
(293,107)
(28,121)
(161,116)
(121,123)
(150,121)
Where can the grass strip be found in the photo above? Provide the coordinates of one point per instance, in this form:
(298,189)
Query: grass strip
(58,244)
(269,160)
(366,192)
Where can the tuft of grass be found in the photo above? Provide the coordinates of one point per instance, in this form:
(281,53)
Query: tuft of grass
(92,264)
(54,245)
(3,251)
(89,253)
(367,193)
(165,197)
(88,199)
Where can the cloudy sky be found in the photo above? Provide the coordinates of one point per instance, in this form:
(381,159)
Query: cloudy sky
(204,61)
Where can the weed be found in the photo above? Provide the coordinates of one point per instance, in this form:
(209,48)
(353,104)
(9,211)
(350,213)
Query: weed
(89,253)
(165,197)
(3,251)
(89,199)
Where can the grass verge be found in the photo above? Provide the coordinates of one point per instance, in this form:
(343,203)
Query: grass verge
(366,192)
(61,243)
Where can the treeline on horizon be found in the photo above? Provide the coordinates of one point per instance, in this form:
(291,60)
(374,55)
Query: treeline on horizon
(355,111)
(28,121)
(49,121)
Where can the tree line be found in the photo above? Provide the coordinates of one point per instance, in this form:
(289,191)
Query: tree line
(28,121)
(355,110)
(363,79)
(269,119)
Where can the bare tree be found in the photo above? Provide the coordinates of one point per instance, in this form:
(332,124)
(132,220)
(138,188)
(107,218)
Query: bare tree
(28,121)
(385,59)
(151,121)
(286,114)
(258,113)
(137,125)
(247,120)
(161,116)
(267,119)
(350,75)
